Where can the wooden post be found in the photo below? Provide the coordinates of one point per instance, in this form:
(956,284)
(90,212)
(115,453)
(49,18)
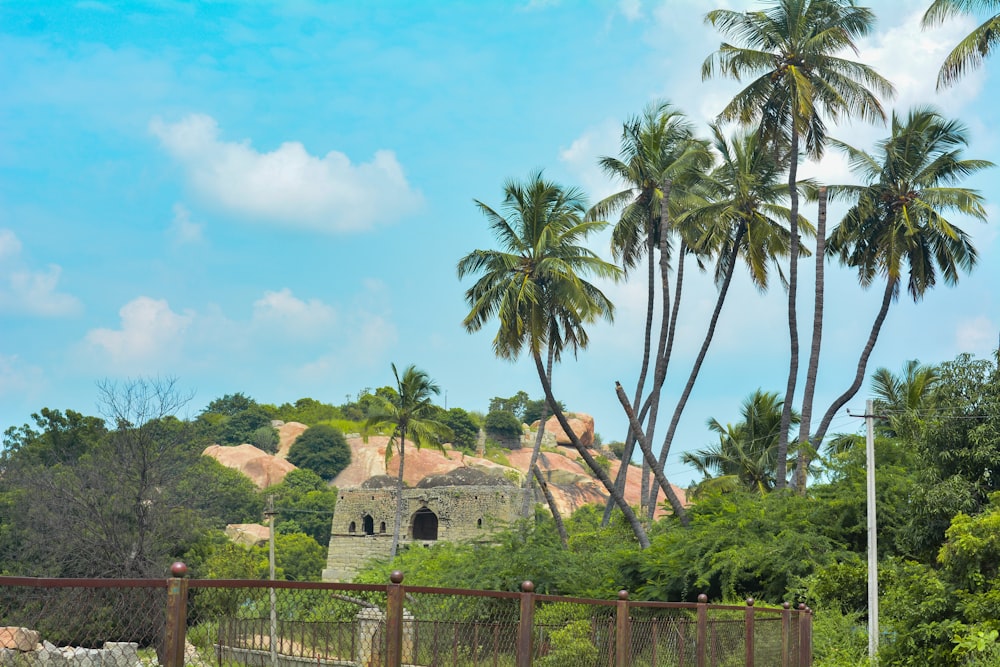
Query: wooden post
(809,638)
(748,627)
(394,620)
(805,657)
(525,624)
(623,634)
(786,626)
(177,588)
(701,643)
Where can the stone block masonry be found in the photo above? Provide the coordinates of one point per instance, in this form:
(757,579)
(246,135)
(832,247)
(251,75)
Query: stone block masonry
(363,521)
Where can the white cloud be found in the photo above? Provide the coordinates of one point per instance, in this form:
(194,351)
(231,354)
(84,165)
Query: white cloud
(28,291)
(910,57)
(10,246)
(284,312)
(978,336)
(582,154)
(288,185)
(150,333)
(18,378)
(182,229)
(630,9)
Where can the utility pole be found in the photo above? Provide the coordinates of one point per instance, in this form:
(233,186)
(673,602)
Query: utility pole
(872,527)
(269,513)
(872,533)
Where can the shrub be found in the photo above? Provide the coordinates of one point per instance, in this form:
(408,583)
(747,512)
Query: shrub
(321,449)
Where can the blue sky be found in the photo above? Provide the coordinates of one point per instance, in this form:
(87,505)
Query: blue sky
(271,197)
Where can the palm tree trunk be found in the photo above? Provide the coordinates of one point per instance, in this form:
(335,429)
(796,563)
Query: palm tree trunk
(630,440)
(781,469)
(859,375)
(654,465)
(802,462)
(550,499)
(398,520)
(596,470)
(651,506)
(682,401)
(528,486)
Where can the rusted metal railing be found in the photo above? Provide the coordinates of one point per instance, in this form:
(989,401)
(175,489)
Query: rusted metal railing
(178,622)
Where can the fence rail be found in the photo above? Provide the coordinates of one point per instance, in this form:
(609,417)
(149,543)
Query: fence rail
(229,623)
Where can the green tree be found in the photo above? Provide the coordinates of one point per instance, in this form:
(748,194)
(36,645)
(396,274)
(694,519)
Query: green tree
(322,449)
(746,453)
(303,497)
(465,431)
(410,413)
(971,51)
(502,423)
(534,286)
(899,222)
(899,399)
(790,52)
(230,405)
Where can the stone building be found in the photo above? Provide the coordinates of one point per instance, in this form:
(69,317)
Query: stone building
(464,504)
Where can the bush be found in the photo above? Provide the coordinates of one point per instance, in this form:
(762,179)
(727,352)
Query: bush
(322,449)
(503,424)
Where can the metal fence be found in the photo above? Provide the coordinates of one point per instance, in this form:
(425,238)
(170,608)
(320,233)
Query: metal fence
(205,623)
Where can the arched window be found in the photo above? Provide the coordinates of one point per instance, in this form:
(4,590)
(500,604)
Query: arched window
(425,525)
(353,528)
(479,523)
(368,524)
(381,527)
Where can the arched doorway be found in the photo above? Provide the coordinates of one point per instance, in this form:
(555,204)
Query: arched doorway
(425,525)
(368,524)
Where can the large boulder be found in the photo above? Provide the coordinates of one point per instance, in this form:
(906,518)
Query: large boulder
(287,433)
(581,424)
(248,534)
(263,469)
(18,639)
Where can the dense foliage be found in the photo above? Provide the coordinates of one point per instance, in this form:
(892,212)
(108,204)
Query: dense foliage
(322,449)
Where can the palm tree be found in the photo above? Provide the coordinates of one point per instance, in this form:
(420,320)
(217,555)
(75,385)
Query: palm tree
(789,51)
(971,51)
(739,218)
(746,453)
(410,413)
(534,286)
(898,221)
(659,156)
(899,397)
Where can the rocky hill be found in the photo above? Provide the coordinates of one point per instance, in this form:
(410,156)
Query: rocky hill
(571,484)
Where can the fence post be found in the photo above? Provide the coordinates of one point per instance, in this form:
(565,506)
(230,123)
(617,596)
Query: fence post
(177,587)
(394,620)
(701,643)
(786,625)
(525,624)
(623,634)
(748,618)
(809,638)
(805,657)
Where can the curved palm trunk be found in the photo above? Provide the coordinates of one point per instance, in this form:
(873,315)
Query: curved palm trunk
(682,401)
(398,520)
(550,499)
(859,375)
(802,462)
(660,366)
(651,505)
(655,467)
(781,471)
(598,471)
(528,485)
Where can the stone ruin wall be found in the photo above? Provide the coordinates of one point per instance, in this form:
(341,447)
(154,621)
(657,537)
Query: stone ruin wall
(463,513)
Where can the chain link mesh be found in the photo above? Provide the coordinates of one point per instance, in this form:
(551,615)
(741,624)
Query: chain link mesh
(109,623)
